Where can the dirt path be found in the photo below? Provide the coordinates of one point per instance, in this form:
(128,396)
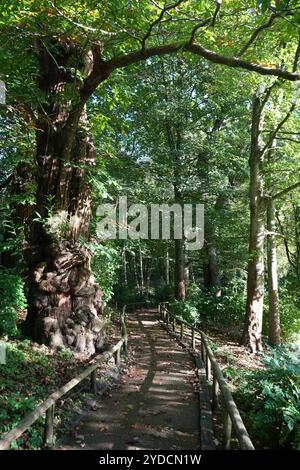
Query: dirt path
(156,405)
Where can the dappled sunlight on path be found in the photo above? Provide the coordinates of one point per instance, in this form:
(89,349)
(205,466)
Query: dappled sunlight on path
(156,404)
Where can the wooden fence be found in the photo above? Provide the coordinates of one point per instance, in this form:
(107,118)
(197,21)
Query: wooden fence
(214,375)
(48,406)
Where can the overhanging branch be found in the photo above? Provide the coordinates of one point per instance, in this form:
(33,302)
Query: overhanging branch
(102,69)
(197,49)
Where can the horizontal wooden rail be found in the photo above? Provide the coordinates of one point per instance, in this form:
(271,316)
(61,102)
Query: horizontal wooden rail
(48,405)
(231,413)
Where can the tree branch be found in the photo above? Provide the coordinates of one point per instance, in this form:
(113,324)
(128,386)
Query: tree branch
(257,31)
(296,58)
(6,182)
(102,69)
(165,10)
(286,245)
(286,190)
(79,25)
(218,7)
(279,126)
(197,49)
(198,26)
(288,139)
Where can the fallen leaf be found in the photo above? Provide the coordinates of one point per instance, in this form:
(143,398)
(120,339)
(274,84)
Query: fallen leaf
(103,428)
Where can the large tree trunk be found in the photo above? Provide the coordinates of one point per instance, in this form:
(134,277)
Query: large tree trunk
(252,336)
(64,300)
(274,315)
(211,275)
(211,272)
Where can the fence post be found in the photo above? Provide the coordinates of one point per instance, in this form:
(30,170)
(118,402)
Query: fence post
(215,390)
(117,357)
(167,318)
(174,324)
(202,350)
(208,368)
(193,337)
(49,427)
(227,431)
(181,330)
(125,348)
(93,383)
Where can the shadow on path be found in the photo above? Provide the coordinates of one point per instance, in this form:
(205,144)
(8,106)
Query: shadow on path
(156,405)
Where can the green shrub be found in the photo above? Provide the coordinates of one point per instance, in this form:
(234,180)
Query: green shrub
(164,293)
(229,308)
(289,315)
(270,400)
(185,310)
(128,294)
(12,298)
(105,265)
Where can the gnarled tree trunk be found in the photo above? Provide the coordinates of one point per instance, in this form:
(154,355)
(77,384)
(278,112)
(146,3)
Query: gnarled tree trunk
(64,299)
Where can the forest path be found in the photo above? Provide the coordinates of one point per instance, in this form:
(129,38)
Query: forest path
(155,405)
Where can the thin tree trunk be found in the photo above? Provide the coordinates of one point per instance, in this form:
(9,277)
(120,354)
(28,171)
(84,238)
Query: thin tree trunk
(149,272)
(252,335)
(274,313)
(141,265)
(180,291)
(167,268)
(124,265)
(135,271)
(186,264)
(214,268)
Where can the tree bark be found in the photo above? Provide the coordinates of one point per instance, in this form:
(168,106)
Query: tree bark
(124,264)
(211,275)
(135,271)
(180,288)
(141,266)
(167,268)
(186,264)
(252,335)
(64,301)
(274,313)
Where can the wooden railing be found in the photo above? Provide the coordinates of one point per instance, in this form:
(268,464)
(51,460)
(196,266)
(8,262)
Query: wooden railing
(214,375)
(48,406)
